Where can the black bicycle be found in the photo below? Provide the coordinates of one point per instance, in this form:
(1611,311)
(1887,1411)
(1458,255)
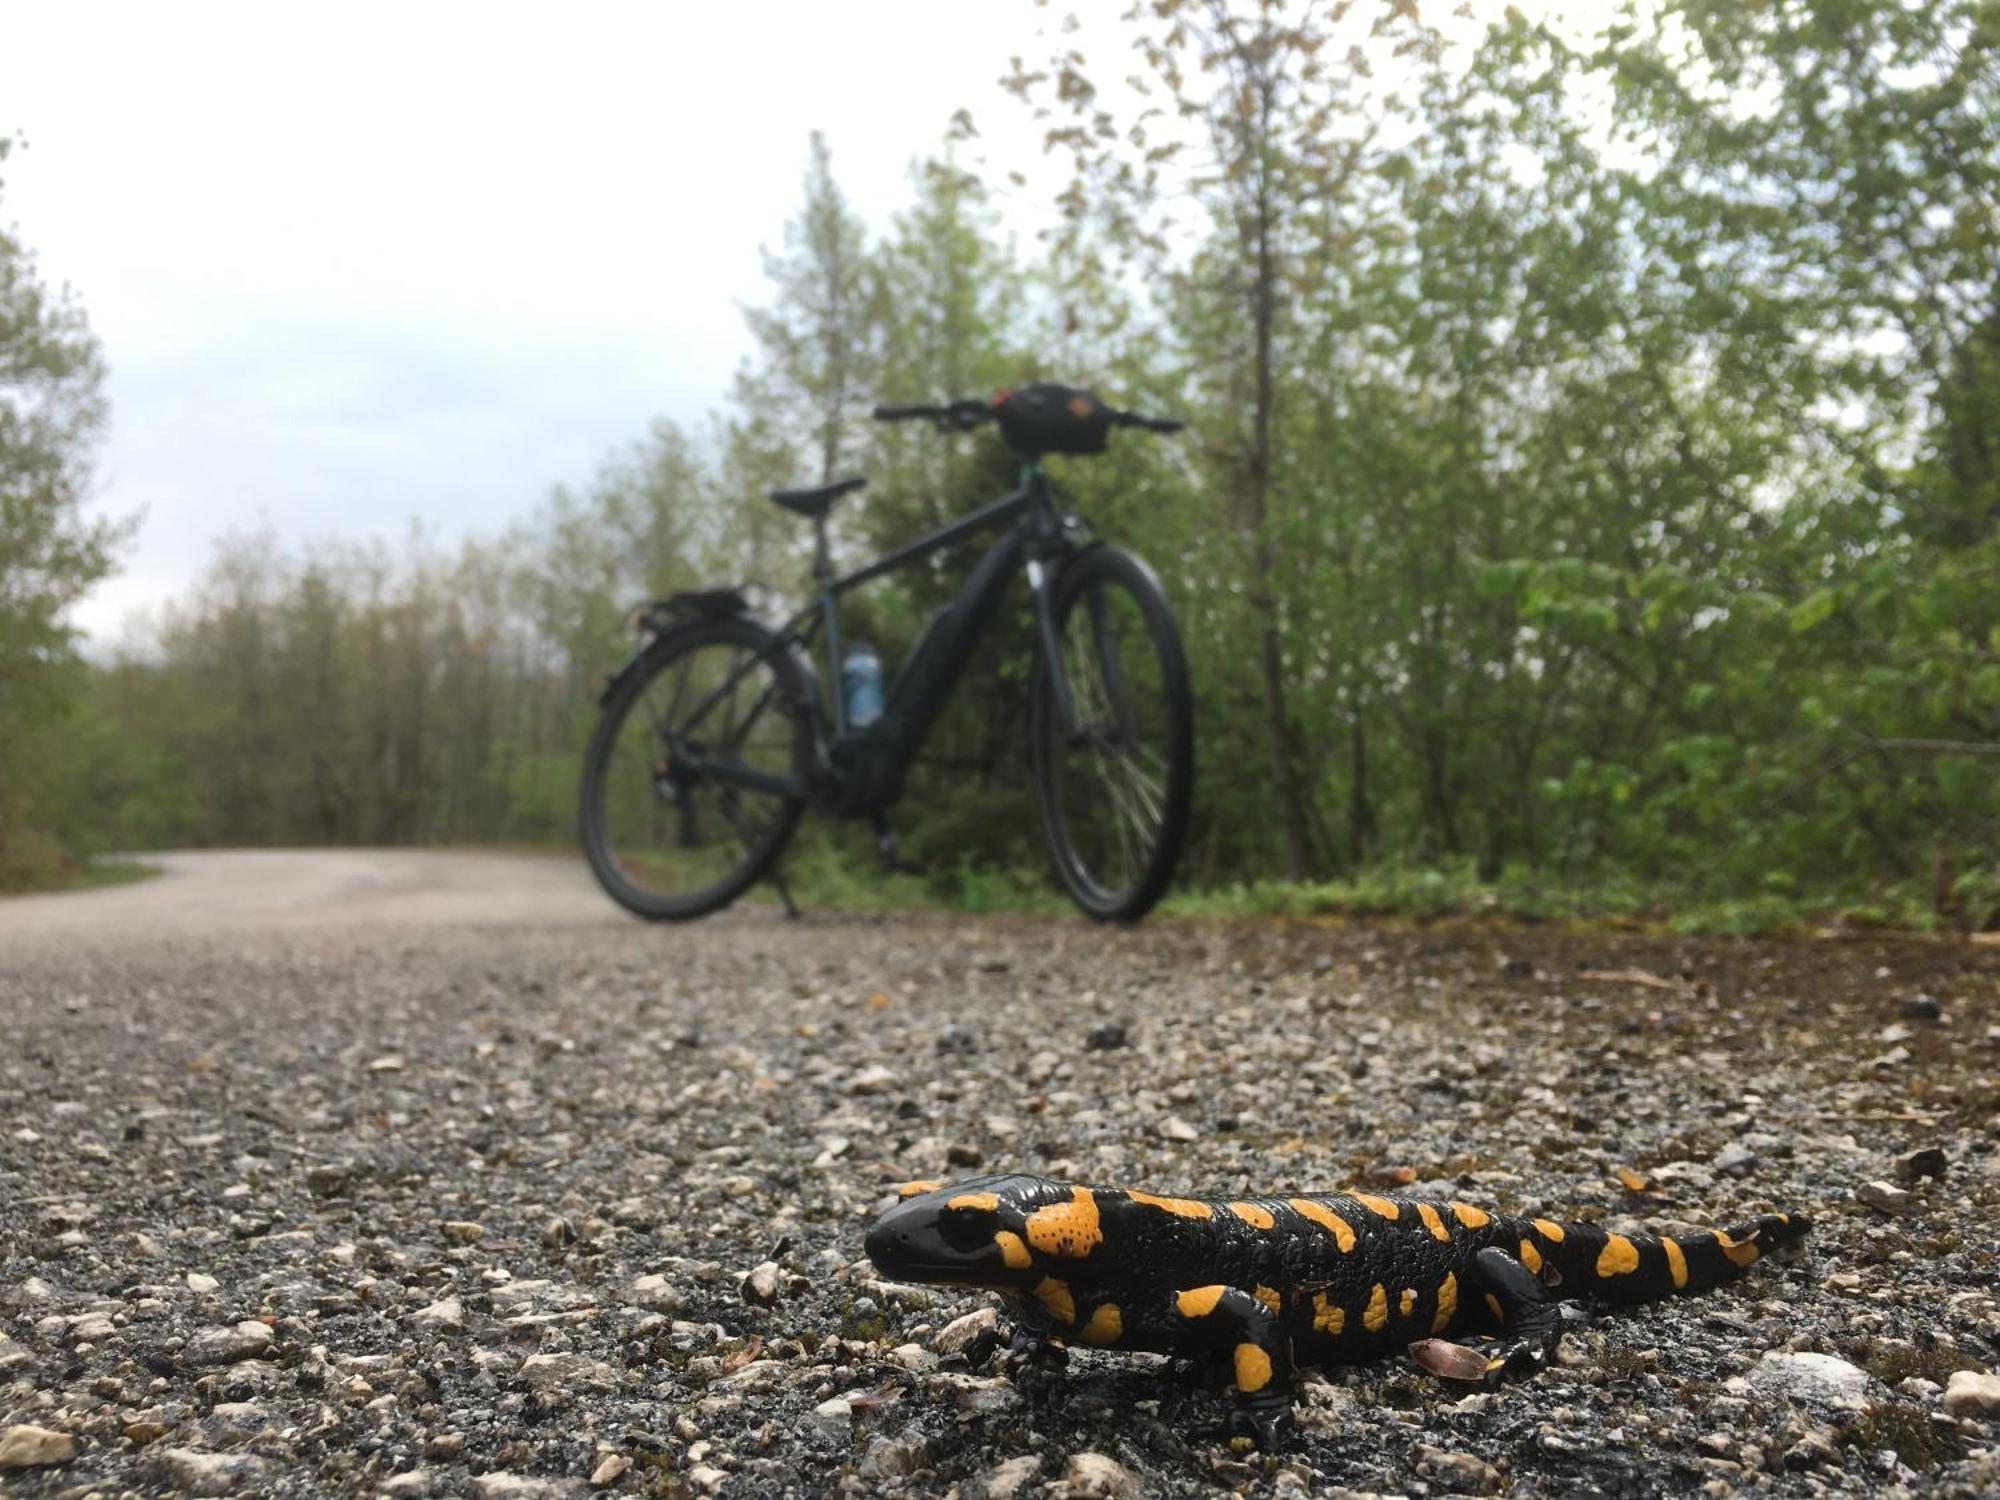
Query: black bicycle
(715,735)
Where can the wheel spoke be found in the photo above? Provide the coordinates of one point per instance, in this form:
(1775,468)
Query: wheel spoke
(1114,791)
(653,843)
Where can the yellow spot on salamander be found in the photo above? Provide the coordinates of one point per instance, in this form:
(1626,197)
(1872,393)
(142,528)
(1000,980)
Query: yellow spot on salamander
(1743,1252)
(1251,1214)
(1375,1316)
(1493,1306)
(1386,1207)
(1328,1220)
(1328,1318)
(1433,1221)
(1447,1302)
(1072,1229)
(1054,1295)
(1013,1254)
(1677,1262)
(1253,1369)
(1187,1208)
(1618,1257)
(1270,1298)
(1199,1301)
(984,1201)
(1106,1325)
(1550,1231)
(911,1189)
(1531,1257)
(1408,1302)
(1470,1217)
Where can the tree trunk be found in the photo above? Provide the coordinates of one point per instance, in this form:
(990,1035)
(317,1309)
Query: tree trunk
(1291,808)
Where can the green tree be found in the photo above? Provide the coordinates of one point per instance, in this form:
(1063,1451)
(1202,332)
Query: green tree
(52,415)
(1256,117)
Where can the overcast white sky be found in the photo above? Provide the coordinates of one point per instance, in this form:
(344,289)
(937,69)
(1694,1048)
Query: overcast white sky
(361,263)
(358,263)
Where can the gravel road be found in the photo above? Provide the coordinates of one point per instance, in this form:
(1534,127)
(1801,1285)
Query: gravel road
(386,1173)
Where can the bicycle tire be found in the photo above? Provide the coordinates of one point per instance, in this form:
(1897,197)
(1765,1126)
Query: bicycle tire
(1157,793)
(621,816)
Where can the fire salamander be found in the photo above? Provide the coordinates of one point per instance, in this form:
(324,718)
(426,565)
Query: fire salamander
(1268,1284)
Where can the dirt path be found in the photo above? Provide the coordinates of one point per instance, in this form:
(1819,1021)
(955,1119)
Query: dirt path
(407,1173)
(240,890)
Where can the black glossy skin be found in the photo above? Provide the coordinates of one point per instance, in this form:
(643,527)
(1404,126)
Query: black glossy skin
(1294,1279)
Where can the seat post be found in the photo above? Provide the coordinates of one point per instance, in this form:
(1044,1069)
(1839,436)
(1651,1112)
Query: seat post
(822,560)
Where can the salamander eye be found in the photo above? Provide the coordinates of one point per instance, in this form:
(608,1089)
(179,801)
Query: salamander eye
(967,1224)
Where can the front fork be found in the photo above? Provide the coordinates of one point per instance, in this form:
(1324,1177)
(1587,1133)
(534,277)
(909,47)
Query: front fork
(1114,698)
(1053,660)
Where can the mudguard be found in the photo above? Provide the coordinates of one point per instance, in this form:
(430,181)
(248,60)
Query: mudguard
(662,619)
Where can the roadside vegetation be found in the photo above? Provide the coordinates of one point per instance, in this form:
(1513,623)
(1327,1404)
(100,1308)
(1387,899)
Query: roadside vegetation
(1590,505)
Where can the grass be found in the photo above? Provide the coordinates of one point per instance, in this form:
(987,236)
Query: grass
(844,874)
(835,867)
(65,874)
(102,872)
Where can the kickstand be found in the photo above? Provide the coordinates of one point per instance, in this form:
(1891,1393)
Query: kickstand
(785,894)
(885,842)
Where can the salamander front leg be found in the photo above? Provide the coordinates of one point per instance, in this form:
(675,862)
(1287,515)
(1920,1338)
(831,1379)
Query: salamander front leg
(1227,1322)
(1530,1320)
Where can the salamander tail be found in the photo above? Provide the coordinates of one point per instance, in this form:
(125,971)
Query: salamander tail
(1594,1263)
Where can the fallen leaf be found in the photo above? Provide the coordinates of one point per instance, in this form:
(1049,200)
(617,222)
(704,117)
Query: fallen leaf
(1449,1361)
(1629,976)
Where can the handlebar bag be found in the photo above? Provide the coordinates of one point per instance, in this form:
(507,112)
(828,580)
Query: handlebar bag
(1053,419)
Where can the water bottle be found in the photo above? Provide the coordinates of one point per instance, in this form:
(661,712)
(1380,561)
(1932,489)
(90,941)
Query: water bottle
(861,684)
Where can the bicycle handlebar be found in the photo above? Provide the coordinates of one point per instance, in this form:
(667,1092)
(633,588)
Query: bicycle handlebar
(1151,424)
(962,415)
(957,415)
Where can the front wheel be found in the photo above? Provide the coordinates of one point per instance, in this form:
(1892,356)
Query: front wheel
(1114,785)
(665,837)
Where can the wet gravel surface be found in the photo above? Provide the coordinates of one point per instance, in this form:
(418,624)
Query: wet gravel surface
(551,1210)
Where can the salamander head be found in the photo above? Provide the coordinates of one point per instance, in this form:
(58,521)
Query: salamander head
(971,1233)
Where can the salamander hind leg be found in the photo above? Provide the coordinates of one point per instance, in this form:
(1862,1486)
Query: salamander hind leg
(1230,1324)
(1530,1321)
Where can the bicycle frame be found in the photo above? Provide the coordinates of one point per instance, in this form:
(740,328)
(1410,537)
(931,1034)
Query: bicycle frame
(861,772)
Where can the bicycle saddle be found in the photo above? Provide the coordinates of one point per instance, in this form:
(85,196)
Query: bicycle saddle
(817,501)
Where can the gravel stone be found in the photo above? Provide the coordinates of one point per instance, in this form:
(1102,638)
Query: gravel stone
(1006,1481)
(607,1472)
(194,1473)
(221,1346)
(546,1081)
(1458,1473)
(1926,1161)
(761,1286)
(873,1079)
(961,1332)
(1815,1379)
(30,1447)
(521,1487)
(1092,1476)
(446,1312)
(1886,1197)
(1972,1393)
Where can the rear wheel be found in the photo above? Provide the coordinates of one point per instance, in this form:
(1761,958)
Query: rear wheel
(1114,791)
(665,837)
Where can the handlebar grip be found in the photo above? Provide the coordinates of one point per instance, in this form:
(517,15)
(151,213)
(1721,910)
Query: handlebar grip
(1151,424)
(903,413)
